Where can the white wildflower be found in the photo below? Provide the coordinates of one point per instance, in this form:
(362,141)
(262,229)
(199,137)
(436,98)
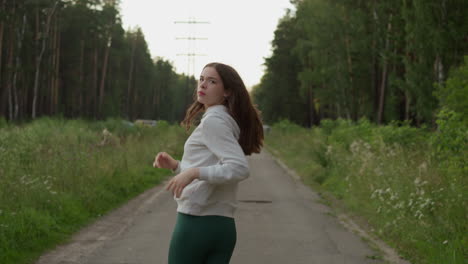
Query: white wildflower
(378,171)
(422,166)
(106,132)
(367,146)
(391,153)
(354,146)
(399,205)
(329,150)
(418,214)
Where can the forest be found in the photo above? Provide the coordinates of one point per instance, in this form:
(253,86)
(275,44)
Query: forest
(367,102)
(72,58)
(380,60)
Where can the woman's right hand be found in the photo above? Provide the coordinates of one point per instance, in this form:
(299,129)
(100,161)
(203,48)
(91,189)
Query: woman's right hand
(165,161)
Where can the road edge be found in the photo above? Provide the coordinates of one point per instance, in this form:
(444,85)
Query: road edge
(389,254)
(89,239)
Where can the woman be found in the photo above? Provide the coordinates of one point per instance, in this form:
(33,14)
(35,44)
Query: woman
(213,163)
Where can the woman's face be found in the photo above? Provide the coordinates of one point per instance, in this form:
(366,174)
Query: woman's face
(210,90)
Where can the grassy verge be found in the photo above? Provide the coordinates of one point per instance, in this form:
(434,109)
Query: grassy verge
(56,176)
(409,184)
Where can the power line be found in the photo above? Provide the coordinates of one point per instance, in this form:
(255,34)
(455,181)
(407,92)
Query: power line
(191,38)
(191,21)
(191,53)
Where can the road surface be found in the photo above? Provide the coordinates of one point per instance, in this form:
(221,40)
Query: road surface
(279,220)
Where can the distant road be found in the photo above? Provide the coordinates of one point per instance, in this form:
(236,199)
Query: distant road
(279,220)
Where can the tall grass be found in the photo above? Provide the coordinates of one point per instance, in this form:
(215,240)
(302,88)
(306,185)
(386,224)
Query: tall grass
(409,183)
(58,175)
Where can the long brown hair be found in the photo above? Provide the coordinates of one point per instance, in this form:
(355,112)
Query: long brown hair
(240,108)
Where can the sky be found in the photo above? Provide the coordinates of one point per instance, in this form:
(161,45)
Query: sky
(235,32)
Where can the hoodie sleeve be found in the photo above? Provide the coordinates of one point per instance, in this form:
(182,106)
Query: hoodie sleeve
(219,138)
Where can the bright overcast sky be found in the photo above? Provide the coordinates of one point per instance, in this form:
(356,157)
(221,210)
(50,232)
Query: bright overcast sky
(239,32)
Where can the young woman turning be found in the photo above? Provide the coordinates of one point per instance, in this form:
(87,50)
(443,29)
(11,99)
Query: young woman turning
(212,165)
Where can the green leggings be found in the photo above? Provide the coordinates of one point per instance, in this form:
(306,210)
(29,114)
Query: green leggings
(202,240)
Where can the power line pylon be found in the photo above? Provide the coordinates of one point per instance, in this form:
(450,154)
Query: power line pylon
(191,53)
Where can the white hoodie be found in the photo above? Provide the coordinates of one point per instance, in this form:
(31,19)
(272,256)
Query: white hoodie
(213,148)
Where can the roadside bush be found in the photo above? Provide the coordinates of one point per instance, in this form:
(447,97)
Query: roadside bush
(56,175)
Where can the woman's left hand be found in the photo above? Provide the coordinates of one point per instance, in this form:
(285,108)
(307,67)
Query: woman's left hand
(177,184)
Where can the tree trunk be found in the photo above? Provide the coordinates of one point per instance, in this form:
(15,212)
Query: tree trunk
(338,109)
(2,29)
(439,69)
(312,111)
(351,79)
(39,59)
(374,87)
(130,78)
(93,94)
(156,96)
(136,107)
(10,66)
(56,82)
(407,105)
(350,74)
(383,83)
(53,60)
(52,66)
(81,79)
(104,73)
(20,37)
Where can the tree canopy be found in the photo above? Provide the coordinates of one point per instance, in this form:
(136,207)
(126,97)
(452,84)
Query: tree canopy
(74,59)
(381,60)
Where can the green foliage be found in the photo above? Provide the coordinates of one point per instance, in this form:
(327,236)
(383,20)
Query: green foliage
(3,122)
(450,141)
(91,67)
(56,175)
(451,136)
(286,126)
(278,95)
(345,59)
(454,94)
(408,183)
(118,127)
